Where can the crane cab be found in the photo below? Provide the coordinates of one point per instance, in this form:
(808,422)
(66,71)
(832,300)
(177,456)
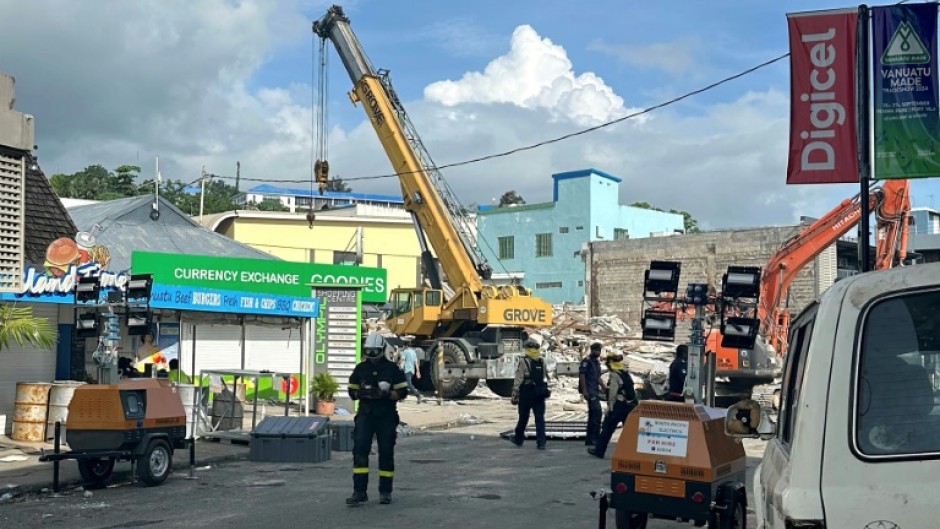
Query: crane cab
(415,311)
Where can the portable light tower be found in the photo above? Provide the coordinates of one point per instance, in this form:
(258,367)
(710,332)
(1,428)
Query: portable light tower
(673,460)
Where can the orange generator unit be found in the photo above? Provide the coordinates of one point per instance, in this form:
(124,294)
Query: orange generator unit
(141,421)
(674,461)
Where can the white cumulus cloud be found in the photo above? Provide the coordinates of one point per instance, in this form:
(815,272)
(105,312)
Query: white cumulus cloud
(534,74)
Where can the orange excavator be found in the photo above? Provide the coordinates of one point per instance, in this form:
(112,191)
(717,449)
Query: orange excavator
(739,370)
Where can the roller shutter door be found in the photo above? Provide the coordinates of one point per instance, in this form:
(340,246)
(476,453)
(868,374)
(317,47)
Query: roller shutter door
(217,347)
(25,364)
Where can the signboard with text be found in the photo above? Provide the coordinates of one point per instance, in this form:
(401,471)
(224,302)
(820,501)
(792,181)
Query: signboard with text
(337,333)
(259,276)
(230,301)
(663,437)
(906,122)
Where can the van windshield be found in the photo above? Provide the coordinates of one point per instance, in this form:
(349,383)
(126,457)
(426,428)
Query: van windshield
(897,410)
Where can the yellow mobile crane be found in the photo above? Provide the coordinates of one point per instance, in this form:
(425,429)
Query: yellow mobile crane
(479,328)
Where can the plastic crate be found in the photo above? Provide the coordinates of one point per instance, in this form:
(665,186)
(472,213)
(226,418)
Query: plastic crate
(341,434)
(291,440)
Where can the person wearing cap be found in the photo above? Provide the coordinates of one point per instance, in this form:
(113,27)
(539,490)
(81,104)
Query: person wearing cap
(590,386)
(677,372)
(378,385)
(621,399)
(409,364)
(529,393)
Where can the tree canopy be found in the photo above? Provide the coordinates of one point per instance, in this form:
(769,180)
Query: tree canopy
(95,182)
(510,198)
(689,222)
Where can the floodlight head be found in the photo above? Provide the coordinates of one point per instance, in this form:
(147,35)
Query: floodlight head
(86,325)
(87,289)
(739,333)
(138,323)
(662,276)
(741,282)
(697,293)
(139,286)
(659,325)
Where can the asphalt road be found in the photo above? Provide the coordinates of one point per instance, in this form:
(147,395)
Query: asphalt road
(457,478)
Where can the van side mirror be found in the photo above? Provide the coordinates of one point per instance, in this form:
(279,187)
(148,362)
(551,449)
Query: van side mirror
(747,419)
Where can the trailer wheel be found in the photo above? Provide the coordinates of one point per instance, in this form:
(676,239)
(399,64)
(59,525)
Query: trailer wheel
(456,387)
(95,471)
(734,514)
(502,387)
(631,520)
(154,466)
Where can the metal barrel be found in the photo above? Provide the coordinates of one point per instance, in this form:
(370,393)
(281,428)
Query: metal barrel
(60,394)
(224,417)
(30,410)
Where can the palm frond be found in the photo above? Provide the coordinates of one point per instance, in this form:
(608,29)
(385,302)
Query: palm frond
(17,324)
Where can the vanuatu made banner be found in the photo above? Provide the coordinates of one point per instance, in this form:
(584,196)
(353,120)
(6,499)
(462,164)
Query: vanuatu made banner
(823,145)
(907,127)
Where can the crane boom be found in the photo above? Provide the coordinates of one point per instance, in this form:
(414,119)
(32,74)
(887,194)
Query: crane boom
(477,330)
(424,190)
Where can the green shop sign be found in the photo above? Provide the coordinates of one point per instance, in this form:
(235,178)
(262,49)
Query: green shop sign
(257,275)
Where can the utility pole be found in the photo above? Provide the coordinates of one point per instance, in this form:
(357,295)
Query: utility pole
(238,176)
(202,192)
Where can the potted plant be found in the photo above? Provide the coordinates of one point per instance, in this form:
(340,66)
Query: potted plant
(324,389)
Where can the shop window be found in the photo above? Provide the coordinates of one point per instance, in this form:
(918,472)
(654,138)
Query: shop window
(621,234)
(543,245)
(563,229)
(507,247)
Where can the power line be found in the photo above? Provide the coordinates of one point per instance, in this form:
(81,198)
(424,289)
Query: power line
(516,150)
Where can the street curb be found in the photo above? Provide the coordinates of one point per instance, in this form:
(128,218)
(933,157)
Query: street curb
(65,484)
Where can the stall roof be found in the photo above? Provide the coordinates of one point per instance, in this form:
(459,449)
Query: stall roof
(125,226)
(46,217)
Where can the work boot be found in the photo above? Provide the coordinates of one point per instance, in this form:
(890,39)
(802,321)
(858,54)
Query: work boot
(357,498)
(385,498)
(595,453)
(541,447)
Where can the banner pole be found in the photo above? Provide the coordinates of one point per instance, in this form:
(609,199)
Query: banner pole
(864,142)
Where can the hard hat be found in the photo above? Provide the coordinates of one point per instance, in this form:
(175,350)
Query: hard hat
(531,343)
(615,356)
(374,346)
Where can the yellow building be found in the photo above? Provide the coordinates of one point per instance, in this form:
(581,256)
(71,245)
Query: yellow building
(369,235)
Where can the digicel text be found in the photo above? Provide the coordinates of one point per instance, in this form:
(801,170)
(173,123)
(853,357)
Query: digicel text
(824,111)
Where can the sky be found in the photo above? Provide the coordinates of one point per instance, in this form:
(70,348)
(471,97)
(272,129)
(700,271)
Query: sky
(215,82)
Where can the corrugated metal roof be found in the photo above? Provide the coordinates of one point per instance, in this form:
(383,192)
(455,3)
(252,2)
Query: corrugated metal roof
(125,226)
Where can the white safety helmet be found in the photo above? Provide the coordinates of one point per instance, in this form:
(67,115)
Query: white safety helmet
(374,346)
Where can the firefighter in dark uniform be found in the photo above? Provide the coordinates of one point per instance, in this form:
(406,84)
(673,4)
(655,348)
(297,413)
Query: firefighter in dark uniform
(378,384)
(590,386)
(621,399)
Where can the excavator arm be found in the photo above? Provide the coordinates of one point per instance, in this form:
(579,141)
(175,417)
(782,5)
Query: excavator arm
(891,205)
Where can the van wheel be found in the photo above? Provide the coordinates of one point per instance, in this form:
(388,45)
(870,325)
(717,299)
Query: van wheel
(154,466)
(96,471)
(631,520)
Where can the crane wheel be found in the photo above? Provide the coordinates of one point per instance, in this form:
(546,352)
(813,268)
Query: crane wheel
(456,387)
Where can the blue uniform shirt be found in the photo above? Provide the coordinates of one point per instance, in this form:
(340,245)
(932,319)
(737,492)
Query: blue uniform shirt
(591,369)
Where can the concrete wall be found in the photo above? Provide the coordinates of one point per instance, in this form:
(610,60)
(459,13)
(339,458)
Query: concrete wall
(16,128)
(615,275)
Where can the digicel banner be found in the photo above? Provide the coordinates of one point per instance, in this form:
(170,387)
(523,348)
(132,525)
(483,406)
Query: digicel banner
(823,144)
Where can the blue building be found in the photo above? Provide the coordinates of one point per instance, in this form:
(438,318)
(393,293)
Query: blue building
(298,199)
(540,245)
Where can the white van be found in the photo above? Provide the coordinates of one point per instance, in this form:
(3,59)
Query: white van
(857,441)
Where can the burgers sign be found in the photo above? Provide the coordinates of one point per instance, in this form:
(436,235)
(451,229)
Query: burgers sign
(67,260)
